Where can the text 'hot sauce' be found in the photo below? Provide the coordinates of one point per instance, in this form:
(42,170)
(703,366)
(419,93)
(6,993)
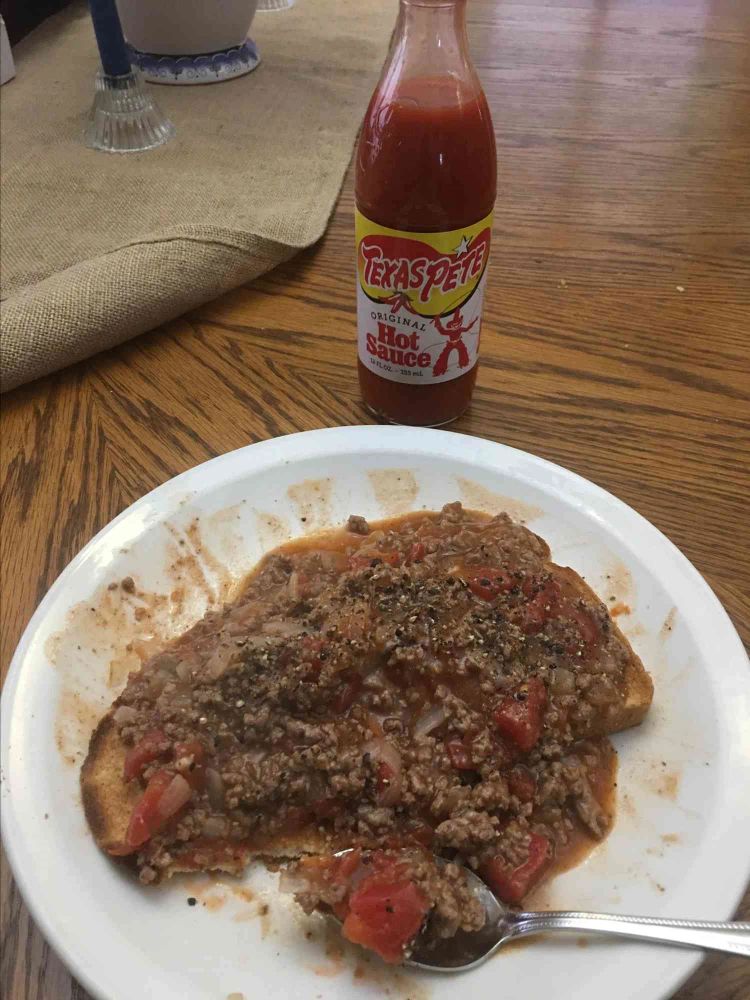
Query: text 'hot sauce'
(425,190)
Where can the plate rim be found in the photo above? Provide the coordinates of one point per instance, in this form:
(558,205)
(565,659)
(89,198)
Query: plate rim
(380,439)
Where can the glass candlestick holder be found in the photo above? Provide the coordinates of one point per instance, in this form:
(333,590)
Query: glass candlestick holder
(124,117)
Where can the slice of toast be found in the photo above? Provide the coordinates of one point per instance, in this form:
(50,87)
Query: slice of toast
(109,801)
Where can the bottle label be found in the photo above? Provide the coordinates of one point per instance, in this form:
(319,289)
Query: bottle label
(419,300)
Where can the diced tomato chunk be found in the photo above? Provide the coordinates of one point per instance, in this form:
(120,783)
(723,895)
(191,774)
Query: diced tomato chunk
(586,624)
(153,745)
(488,583)
(545,601)
(543,604)
(416,553)
(512,884)
(385,916)
(520,715)
(347,694)
(460,755)
(522,783)
(359,561)
(150,815)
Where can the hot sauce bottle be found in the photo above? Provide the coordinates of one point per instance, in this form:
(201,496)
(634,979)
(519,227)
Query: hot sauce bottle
(426,178)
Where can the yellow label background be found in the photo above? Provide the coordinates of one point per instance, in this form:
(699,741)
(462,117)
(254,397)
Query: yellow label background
(444,243)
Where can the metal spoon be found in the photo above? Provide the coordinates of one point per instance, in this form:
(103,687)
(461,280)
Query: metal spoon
(468,950)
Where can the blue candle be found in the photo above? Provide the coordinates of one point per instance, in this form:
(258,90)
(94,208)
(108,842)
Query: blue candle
(109,37)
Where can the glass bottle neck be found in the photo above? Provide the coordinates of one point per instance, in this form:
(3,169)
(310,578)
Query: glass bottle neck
(430,40)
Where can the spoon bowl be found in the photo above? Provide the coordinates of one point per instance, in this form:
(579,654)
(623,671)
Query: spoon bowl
(467,950)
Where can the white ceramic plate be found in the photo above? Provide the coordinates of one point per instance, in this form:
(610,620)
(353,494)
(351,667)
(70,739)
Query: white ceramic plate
(679,847)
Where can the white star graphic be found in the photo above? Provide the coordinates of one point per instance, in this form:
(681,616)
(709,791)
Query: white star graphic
(462,247)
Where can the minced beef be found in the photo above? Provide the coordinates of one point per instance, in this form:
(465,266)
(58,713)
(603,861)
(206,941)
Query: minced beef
(429,682)
(331,883)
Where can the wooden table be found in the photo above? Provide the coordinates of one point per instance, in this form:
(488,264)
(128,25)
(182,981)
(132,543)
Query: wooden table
(616,331)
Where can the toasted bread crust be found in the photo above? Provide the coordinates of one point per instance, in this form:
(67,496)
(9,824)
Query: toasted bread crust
(638,685)
(108,800)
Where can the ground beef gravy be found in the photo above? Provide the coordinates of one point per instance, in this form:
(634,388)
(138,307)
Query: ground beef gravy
(425,682)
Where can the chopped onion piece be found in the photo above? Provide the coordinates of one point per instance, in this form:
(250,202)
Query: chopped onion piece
(184,671)
(158,680)
(176,794)
(562,681)
(255,641)
(124,715)
(165,663)
(215,788)
(219,661)
(375,680)
(432,718)
(381,751)
(294,586)
(278,626)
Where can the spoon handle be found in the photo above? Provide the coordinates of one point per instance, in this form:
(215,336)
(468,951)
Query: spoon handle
(733,937)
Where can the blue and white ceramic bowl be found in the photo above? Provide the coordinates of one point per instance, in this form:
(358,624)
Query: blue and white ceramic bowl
(207,68)
(190,41)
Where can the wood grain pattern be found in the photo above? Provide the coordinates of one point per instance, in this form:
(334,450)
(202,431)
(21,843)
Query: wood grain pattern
(615,338)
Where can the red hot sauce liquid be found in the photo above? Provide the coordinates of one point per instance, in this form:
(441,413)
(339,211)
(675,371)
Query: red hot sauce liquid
(426,163)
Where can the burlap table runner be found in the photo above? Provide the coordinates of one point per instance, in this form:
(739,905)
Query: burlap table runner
(97,248)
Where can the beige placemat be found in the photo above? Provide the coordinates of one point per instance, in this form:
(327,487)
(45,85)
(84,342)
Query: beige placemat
(96,248)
